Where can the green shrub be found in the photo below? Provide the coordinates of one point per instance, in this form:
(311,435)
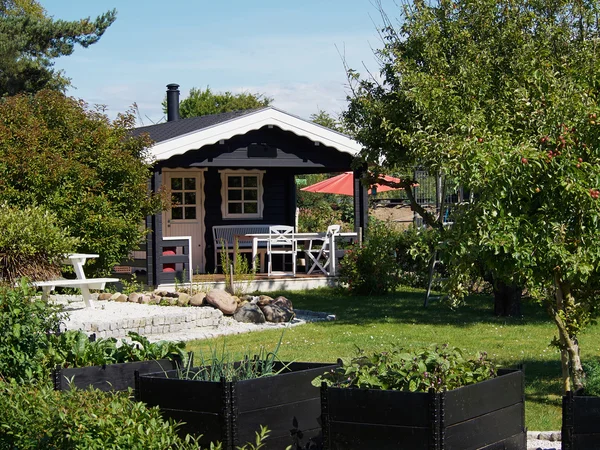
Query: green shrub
(371,267)
(58,153)
(27,325)
(35,416)
(592,377)
(414,249)
(438,367)
(32,245)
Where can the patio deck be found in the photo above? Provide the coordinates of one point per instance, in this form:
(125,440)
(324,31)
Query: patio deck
(261,282)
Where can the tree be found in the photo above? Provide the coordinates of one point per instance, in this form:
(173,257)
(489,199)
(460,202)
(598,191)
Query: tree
(501,97)
(87,170)
(30,41)
(324,119)
(205,102)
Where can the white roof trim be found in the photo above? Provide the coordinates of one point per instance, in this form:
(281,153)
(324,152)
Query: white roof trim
(254,121)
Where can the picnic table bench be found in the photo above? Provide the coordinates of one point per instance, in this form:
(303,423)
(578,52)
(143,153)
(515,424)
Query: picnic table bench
(77,260)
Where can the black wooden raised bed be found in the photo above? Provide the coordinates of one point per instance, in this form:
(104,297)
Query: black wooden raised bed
(487,415)
(111,377)
(231,412)
(580,422)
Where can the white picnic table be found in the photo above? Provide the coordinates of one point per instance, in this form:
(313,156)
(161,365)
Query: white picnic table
(306,237)
(77,260)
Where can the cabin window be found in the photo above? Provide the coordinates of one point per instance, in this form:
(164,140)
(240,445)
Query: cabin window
(242,193)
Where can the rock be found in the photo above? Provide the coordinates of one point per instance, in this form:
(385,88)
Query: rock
(122,298)
(155,299)
(183,299)
(171,301)
(282,301)
(249,313)
(264,300)
(222,301)
(247,298)
(134,298)
(104,296)
(115,296)
(277,314)
(198,299)
(160,293)
(171,294)
(145,299)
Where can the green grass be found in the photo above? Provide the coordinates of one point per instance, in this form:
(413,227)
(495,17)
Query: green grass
(373,323)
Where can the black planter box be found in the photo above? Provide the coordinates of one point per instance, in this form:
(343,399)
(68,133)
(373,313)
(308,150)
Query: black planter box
(580,422)
(111,377)
(487,415)
(232,412)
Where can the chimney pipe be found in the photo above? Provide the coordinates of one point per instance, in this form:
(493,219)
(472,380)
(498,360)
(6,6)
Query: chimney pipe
(172,102)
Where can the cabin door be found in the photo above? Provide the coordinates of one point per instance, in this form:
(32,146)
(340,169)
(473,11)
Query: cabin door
(186,215)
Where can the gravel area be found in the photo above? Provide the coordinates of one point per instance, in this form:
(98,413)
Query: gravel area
(543,440)
(111,312)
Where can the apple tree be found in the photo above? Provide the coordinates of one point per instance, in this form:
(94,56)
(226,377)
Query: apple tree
(502,97)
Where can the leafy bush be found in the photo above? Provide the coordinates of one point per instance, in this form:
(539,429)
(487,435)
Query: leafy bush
(74,349)
(371,267)
(592,377)
(57,153)
(32,245)
(26,333)
(437,367)
(35,416)
(414,249)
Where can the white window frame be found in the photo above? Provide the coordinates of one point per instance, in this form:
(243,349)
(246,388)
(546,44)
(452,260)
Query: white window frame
(225,174)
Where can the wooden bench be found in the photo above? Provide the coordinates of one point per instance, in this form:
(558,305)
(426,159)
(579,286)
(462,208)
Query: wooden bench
(226,235)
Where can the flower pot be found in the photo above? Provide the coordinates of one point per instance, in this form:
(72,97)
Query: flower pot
(110,377)
(486,415)
(231,412)
(580,419)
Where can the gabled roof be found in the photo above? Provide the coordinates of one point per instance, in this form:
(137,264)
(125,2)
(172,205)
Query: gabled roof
(176,138)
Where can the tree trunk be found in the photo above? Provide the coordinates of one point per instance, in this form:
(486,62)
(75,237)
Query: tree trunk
(569,347)
(507,299)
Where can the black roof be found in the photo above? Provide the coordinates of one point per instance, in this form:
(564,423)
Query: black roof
(169,130)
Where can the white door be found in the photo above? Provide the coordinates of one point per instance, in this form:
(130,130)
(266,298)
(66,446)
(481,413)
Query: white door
(186,216)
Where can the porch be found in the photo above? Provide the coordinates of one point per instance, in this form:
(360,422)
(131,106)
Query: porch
(260,282)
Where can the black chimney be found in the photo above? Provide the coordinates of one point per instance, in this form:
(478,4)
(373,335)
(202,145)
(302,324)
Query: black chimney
(172,102)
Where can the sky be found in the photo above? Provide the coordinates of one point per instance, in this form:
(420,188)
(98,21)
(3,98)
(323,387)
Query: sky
(291,51)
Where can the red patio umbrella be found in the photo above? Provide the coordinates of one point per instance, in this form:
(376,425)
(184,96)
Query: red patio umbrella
(344,184)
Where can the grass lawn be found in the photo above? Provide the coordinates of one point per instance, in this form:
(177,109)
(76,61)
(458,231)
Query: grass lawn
(380,322)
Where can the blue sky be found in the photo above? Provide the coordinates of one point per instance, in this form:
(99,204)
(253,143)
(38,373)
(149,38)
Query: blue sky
(284,49)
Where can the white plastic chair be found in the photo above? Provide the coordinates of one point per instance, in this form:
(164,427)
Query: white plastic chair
(281,242)
(323,254)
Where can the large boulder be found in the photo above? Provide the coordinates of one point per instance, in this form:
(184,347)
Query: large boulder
(249,313)
(198,299)
(282,301)
(277,314)
(222,300)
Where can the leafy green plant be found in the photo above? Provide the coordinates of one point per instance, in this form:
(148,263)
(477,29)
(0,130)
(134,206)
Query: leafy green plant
(74,349)
(132,285)
(28,325)
(223,365)
(32,244)
(437,367)
(371,267)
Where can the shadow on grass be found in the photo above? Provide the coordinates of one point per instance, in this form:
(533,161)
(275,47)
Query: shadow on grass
(406,306)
